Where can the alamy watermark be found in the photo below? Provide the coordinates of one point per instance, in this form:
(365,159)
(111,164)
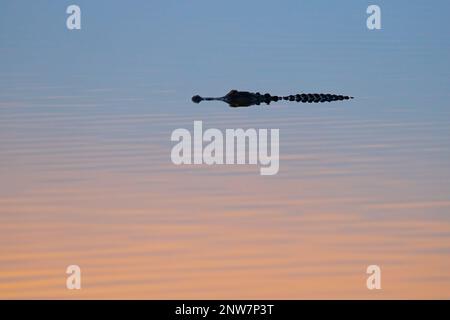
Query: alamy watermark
(374,20)
(250,146)
(73,21)
(374,280)
(73,281)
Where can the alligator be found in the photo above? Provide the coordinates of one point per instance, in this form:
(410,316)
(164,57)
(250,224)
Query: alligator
(246,99)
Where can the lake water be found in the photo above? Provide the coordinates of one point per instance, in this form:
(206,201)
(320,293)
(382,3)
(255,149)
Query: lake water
(86,176)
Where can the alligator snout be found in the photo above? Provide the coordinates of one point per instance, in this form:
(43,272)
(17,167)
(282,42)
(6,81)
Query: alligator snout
(197,99)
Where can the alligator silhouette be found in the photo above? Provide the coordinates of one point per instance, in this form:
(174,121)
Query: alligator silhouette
(246,99)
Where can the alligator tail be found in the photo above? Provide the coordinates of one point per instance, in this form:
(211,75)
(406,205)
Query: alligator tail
(312,97)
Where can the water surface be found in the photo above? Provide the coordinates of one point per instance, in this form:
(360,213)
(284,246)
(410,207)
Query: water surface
(86,176)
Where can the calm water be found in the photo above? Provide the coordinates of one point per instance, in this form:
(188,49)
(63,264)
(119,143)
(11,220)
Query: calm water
(86,176)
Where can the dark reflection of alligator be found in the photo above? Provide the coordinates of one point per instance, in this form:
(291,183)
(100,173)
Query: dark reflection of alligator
(245,99)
